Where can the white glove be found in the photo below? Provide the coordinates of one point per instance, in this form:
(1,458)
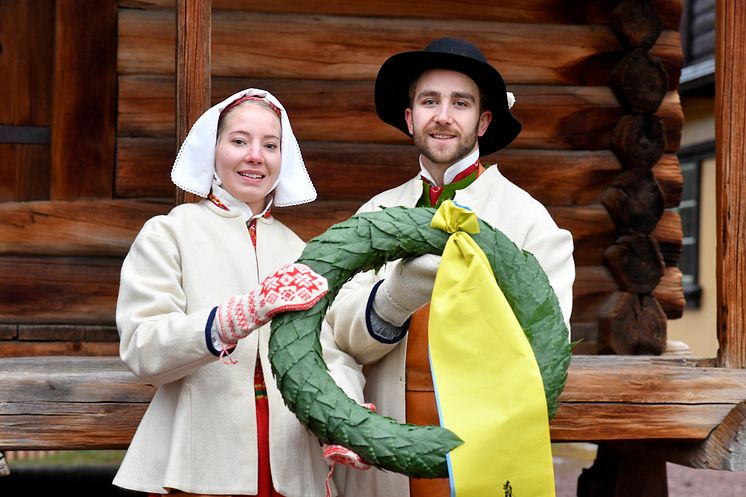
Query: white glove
(407,287)
(342,455)
(294,287)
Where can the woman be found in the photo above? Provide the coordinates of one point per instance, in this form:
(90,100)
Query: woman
(183,304)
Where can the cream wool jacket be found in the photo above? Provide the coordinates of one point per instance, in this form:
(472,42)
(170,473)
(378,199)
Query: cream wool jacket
(199,432)
(500,203)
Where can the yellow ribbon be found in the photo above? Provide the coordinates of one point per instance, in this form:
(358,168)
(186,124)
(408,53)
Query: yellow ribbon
(487,382)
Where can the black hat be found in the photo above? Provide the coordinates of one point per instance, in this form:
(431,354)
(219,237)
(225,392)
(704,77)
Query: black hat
(399,71)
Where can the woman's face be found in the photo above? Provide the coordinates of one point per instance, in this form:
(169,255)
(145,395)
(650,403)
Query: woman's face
(247,156)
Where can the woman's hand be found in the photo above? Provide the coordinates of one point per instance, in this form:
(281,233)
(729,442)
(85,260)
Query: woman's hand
(294,287)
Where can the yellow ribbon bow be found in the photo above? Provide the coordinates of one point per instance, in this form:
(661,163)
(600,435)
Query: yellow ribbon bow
(487,381)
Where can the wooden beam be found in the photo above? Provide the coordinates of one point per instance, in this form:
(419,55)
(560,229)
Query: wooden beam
(538,11)
(58,290)
(730,137)
(193,42)
(84,99)
(74,228)
(723,448)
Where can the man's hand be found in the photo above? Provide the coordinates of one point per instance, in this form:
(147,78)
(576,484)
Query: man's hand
(408,286)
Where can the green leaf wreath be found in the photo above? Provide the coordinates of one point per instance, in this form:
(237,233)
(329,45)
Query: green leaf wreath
(367,241)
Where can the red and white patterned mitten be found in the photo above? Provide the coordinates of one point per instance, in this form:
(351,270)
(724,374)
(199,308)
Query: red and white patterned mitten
(294,287)
(342,455)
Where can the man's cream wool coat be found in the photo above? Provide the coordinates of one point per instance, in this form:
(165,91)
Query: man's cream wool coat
(500,203)
(199,432)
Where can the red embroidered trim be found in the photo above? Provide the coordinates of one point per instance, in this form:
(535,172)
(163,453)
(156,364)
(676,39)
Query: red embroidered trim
(215,200)
(247,98)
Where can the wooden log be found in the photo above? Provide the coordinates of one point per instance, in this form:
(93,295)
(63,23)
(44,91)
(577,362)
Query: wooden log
(730,135)
(79,228)
(58,290)
(669,293)
(557,117)
(193,36)
(84,99)
(66,332)
(639,81)
(635,262)
(8,331)
(636,22)
(639,140)
(535,11)
(45,349)
(669,228)
(723,448)
(559,178)
(631,324)
(634,201)
(579,54)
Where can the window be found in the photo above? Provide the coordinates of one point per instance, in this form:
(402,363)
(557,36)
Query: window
(691,159)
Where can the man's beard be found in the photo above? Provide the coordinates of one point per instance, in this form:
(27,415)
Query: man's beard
(464,146)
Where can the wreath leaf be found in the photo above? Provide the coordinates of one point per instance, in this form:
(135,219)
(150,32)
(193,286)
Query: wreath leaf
(367,241)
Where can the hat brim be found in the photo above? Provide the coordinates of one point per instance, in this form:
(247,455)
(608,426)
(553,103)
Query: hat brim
(396,76)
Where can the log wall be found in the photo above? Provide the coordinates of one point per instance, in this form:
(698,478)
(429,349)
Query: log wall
(560,58)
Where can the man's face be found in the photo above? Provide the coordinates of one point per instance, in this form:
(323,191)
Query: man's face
(444,118)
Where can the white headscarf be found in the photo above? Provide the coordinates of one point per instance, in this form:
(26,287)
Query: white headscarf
(194,166)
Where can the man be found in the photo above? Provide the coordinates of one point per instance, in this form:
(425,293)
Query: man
(455,107)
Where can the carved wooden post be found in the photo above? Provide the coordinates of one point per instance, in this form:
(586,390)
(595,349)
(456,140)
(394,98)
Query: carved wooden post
(730,132)
(193,29)
(632,321)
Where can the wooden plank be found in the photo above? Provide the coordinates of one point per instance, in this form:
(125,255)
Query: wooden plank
(17,348)
(26,66)
(593,422)
(569,54)
(26,62)
(535,11)
(70,379)
(69,426)
(553,117)
(652,380)
(24,172)
(8,331)
(723,448)
(193,30)
(58,289)
(93,228)
(607,398)
(730,136)
(84,99)
(558,178)
(67,332)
